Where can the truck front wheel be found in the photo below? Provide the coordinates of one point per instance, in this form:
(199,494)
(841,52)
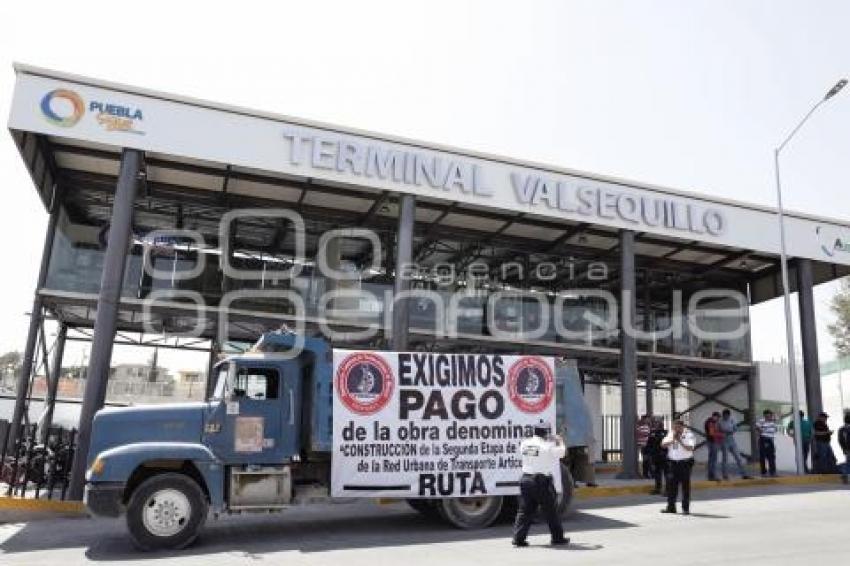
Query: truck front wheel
(166,511)
(470,512)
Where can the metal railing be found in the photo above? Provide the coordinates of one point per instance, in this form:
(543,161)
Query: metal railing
(28,465)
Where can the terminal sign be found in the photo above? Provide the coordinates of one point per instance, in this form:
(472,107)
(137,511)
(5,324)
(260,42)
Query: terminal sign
(446,173)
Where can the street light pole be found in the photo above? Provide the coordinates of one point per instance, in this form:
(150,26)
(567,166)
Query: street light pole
(783,261)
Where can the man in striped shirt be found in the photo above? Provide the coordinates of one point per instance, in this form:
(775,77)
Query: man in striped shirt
(767,429)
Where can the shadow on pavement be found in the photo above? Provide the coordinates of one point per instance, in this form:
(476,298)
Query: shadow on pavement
(307,530)
(578,546)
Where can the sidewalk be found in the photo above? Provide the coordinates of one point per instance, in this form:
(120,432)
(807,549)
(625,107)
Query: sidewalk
(611,486)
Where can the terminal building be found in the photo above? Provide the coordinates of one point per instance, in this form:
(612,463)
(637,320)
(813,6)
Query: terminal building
(191,224)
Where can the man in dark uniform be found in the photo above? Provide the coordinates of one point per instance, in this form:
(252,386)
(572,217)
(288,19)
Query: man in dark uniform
(541,458)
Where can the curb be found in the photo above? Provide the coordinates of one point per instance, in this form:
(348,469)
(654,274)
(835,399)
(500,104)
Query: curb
(42,505)
(615,491)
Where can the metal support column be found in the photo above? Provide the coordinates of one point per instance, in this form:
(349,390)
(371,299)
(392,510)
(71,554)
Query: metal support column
(809,338)
(628,356)
(107,311)
(753,417)
(403,259)
(22,387)
(673,385)
(53,382)
(647,326)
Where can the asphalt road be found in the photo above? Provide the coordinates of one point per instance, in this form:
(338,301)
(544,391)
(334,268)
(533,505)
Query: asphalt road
(775,525)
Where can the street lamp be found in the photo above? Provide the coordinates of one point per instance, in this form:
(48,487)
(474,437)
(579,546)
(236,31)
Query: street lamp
(783,261)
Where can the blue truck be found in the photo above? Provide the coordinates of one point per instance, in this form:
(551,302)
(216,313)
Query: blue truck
(167,468)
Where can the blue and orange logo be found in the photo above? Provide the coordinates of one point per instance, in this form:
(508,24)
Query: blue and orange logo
(69,95)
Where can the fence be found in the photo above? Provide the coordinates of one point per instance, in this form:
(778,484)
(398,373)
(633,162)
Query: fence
(28,464)
(612,446)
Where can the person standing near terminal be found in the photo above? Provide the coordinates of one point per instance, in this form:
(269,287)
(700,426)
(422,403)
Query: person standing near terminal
(728,426)
(844,443)
(541,457)
(767,429)
(642,430)
(680,444)
(823,458)
(806,427)
(713,441)
(657,453)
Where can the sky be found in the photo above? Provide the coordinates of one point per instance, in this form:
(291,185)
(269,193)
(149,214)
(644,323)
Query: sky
(691,95)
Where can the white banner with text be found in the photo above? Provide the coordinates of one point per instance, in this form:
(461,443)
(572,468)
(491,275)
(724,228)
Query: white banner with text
(426,424)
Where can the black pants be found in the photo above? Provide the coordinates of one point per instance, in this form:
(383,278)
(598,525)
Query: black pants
(807,444)
(537,491)
(659,470)
(767,455)
(647,462)
(680,473)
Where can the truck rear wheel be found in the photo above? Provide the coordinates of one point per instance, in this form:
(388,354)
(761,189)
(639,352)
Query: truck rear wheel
(470,512)
(166,511)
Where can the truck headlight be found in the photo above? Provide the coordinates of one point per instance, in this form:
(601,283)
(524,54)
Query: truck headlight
(96,467)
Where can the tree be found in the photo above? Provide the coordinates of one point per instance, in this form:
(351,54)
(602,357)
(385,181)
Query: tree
(840,330)
(10,363)
(10,360)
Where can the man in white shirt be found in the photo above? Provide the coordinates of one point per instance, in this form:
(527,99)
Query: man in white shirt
(767,428)
(680,444)
(541,457)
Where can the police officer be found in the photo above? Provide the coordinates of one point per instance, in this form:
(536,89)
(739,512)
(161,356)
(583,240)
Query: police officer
(680,445)
(541,456)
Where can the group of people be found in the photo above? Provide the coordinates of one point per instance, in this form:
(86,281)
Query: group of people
(817,438)
(720,429)
(667,455)
(670,455)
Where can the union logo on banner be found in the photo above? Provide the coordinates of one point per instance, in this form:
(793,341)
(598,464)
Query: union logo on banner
(531,384)
(364,382)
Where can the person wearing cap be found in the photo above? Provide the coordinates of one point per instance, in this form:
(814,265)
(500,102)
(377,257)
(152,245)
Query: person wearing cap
(541,458)
(680,445)
(767,429)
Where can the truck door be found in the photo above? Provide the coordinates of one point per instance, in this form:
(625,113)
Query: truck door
(245,423)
